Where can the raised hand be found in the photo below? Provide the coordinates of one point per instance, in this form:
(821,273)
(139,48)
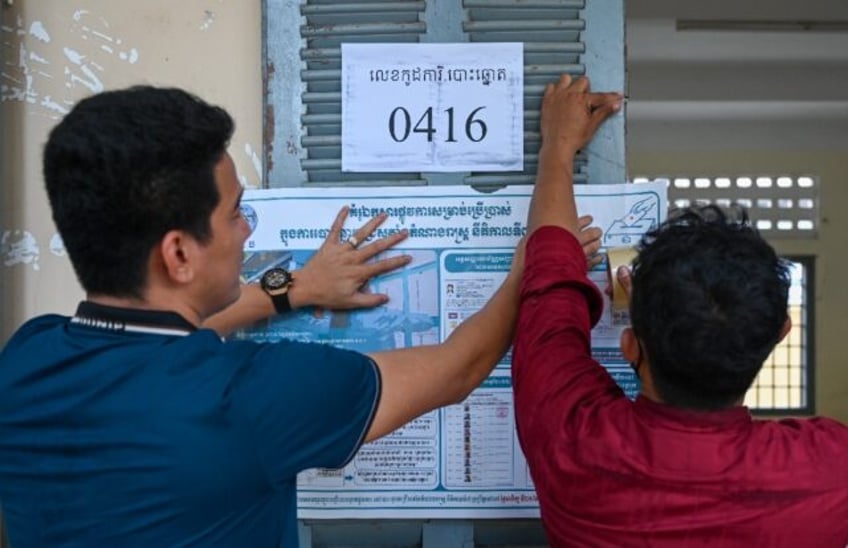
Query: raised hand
(590,238)
(571,114)
(335,276)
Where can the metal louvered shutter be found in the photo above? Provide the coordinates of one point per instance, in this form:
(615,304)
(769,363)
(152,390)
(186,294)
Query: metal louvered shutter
(303,76)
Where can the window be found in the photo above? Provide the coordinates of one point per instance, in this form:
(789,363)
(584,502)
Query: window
(784,384)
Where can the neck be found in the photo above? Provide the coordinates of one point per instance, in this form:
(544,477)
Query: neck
(649,390)
(646,381)
(147,303)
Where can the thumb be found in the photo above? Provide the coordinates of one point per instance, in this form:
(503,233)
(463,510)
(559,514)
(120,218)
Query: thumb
(623,276)
(603,111)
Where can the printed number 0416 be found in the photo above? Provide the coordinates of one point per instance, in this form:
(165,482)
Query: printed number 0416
(400,125)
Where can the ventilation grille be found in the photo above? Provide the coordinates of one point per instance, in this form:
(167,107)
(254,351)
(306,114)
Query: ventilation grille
(329,23)
(550,29)
(781,207)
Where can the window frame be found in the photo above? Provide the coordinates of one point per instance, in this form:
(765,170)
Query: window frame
(808,349)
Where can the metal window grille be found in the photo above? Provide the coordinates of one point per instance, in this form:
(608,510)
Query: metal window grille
(785,384)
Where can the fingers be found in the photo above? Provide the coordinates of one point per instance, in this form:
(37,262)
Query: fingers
(367,300)
(580,85)
(623,277)
(593,261)
(566,81)
(590,236)
(365,231)
(368,228)
(598,117)
(591,248)
(383,244)
(601,112)
(590,240)
(571,114)
(338,223)
(597,100)
(386,265)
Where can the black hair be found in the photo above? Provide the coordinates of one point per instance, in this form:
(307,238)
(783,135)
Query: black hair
(125,167)
(708,304)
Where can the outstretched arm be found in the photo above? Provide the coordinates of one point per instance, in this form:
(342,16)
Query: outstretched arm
(420,379)
(332,278)
(552,366)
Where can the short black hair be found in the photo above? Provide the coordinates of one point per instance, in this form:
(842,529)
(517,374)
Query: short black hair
(708,305)
(122,169)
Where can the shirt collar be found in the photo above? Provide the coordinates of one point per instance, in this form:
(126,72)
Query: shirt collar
(690,419)
(133,320)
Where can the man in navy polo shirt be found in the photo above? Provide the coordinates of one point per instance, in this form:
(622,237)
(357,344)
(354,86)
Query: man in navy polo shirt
(133,422)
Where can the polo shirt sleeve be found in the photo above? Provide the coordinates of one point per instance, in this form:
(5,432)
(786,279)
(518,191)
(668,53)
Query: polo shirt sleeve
(304,405)
(554,374)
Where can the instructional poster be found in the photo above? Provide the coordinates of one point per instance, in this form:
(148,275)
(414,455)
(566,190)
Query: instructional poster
(463,461)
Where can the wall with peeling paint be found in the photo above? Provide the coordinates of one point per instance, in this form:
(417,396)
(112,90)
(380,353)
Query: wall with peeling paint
(53,53)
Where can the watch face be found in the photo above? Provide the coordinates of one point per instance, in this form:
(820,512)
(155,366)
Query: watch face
(276,278)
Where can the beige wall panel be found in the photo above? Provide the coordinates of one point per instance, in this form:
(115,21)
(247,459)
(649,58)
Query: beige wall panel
(55,52)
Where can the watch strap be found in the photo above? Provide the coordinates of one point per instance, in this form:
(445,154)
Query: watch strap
(280,298)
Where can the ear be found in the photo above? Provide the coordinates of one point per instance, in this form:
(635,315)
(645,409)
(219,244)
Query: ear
(787,327)
(629,345)
(178,250)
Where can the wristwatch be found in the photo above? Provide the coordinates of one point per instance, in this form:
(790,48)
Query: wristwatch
(276,283)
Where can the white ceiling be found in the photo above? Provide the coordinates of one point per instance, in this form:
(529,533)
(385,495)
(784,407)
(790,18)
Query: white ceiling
(755,89)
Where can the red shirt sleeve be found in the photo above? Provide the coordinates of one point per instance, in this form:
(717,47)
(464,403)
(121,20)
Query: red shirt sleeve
(555,379)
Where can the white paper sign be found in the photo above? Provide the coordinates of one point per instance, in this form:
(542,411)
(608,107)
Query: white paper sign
(433,107)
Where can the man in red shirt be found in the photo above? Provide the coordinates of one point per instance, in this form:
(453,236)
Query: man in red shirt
(684,464)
